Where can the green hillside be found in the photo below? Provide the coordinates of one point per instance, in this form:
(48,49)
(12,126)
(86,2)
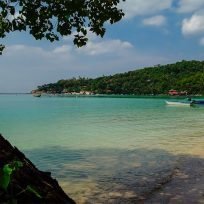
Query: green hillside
(182,76)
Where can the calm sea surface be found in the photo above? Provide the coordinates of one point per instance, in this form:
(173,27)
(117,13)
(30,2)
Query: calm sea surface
(103,149)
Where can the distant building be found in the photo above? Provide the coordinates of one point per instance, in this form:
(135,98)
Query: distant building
(173,92)
(183,93)
(88,93)
(65,91)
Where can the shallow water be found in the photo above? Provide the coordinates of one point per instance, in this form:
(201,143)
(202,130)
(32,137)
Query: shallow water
(103,149)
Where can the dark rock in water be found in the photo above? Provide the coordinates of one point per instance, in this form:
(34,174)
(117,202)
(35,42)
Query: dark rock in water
(26,184)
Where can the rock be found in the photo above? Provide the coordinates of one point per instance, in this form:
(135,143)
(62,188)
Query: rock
(27,184)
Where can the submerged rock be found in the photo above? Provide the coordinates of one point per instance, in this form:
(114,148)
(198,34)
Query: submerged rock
(22,182)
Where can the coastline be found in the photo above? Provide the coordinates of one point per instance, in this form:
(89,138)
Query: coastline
(160,96)
(121,96)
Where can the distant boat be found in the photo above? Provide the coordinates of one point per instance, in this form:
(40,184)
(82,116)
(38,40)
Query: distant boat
(178,103)
(199,102)
(37,94)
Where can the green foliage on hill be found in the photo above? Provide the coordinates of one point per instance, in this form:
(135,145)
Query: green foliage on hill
(182,76)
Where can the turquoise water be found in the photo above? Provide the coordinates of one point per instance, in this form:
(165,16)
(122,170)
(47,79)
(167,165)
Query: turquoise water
(103,149)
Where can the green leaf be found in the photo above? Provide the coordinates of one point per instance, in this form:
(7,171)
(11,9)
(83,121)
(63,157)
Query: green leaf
(1,48)
(17,165)
(32,190)
(12,10)
(5,176)
(6,173)
(40,18)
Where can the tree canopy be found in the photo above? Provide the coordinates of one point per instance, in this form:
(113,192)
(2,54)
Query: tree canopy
(51,19)
(182,76)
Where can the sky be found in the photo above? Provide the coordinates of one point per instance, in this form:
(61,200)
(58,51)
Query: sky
(152,32)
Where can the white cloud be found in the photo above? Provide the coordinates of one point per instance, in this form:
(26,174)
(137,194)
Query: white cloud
(38,53)
(93,47)
(134,8)
(16,47)
(158,20)
(25,51)
(202,41)
(32,66)
(193,25)
(187,6)
(98,46)
(63,49)
(105,47)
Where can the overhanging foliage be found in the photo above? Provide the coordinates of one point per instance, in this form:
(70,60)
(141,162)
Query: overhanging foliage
(51,19)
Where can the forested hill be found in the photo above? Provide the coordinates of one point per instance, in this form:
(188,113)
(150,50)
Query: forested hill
(182,76)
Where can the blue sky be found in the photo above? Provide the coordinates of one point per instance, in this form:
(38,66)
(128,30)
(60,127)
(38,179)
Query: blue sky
(152,32)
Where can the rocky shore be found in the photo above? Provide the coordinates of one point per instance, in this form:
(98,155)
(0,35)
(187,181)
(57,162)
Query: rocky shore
(22,182)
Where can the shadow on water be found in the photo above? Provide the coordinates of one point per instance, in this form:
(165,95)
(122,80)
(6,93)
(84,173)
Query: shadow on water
(122,176)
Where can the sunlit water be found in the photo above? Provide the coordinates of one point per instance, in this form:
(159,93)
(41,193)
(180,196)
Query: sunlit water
(103,149)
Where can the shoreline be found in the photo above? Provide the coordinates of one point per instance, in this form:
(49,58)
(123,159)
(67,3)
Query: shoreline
(120,96)
(183,184)
(160,96)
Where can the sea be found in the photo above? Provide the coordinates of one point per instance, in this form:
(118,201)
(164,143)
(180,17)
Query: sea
(103,149)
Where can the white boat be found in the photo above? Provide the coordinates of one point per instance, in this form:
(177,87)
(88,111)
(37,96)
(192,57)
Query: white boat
(37,94)
(177,103)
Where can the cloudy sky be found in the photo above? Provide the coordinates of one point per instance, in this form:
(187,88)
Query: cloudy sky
(152,32)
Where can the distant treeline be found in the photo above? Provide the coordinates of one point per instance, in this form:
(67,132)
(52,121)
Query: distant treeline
(182,76)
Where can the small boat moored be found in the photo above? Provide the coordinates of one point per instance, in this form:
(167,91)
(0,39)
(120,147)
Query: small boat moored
(37,94)
(179,103)
(198,102)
